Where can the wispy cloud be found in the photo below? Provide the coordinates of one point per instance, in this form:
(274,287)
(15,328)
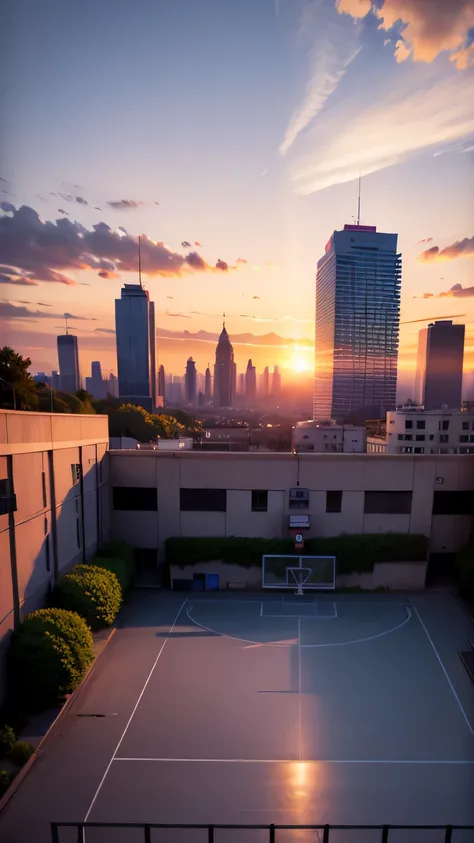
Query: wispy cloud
(457,291)
(410,120)
(123,204)
(11,311)
(461,248)
(433,318)
(335,45)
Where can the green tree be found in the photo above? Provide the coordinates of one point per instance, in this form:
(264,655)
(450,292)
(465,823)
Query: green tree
(167,427)
(86,400)
(131,420)
(17,388)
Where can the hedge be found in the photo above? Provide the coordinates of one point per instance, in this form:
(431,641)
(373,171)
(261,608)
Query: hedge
(353,552)
(117,567)
(464,567)
(118,549)
(92,592)
(49,655)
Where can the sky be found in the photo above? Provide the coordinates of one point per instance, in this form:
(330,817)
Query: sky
(230,135)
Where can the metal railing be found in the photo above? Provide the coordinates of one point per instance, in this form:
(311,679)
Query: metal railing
(146,828)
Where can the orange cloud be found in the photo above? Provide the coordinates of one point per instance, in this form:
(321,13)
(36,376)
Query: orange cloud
(461,248)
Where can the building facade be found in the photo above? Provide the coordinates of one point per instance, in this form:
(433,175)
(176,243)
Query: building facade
(207,386)
(96,385)
(358,285)
(136,346)
(190,382)
(68,359)
(416,431)
(328,438)
(439,366)
(225,372)
(250,385)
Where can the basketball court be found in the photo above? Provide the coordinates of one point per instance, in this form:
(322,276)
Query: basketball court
(276,707)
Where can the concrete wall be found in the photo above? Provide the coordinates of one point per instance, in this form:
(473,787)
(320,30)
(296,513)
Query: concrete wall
(58,522)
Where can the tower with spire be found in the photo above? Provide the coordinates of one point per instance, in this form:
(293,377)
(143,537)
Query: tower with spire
(225,372)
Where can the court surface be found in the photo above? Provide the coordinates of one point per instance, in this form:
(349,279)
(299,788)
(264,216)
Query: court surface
(266,708)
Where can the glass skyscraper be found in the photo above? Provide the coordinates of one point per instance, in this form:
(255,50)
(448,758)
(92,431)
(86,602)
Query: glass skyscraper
(136,346)
(68,358)
(358,284)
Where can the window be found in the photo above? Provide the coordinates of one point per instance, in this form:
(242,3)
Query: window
(333,501)
(259,500)
(76,473)
(401,436)
(392,421)
(443,437)
(135,498)
(310,448)
(387,503)
(471,439)
(444,425)
(420,424)
(409,437)
(431,436)
(453,503)
(305,436)
(465,425)
(43,487)
(464,438)
(420,437)
(299,498)
(203,500)
(419,450)
(408,424)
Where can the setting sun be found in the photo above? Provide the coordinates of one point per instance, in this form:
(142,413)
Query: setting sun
(299,364)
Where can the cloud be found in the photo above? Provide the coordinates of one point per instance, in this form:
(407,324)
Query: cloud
(185,244)
(42,251)
(241,260)
(11,311)
(197,243)
(461,248)
(108,274)
(334,47)
(19,280)
(123,204)
(256,297)
(180,315)
(7,207)
(429,26)
(407,121)
(457,291)
(222,265)
(104,331)
(426,240)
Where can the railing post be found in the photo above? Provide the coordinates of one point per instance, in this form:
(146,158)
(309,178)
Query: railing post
(385,833)
(449,834)
(210,834)
(80,834)
(147,830)
(54,833)
(272,833)
(326,834)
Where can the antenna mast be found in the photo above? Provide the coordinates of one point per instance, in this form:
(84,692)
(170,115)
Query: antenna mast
(65,316)
(139,263)
(358,204)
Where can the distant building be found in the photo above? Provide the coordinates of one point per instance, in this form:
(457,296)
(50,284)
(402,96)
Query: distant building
(174,391)
(113,385)
(357,325)
(136,346)
(224,372)
(265,383)
(190,382)
(328,438)
(250,385)
(96,385)
(439,366)
(162,384)
(276,382)
(68,358)
(241,389)
(207,385)
(55,379)
(411,430)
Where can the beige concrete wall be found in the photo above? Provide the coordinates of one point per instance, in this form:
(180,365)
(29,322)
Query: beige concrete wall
(25,432)
(241,521)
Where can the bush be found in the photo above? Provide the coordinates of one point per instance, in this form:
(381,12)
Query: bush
(6,779)
(49,656)
(92,592)
(117,548)
(464,567)
(7,740)
(357,552)
(117,567)
(21,752)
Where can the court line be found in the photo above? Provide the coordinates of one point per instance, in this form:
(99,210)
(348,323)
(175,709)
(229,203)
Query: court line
(233,637)
(360,640)
(471,729)
(300,722)
(335,608)
(133,711)
(384,761)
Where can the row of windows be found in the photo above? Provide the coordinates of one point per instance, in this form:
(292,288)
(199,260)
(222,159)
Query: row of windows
(139,499)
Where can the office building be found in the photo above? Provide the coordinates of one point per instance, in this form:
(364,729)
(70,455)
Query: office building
(162,384)
(96,385)
(439,366)
(190,382)
(250,385)
(276,382)
(411,430)
(207,386)
(328,438)
(357,325)
(112,388)
(136,346)
(68,358)
(225,373)
(265,383)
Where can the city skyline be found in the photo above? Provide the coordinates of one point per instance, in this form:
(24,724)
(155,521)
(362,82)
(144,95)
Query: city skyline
(225,224)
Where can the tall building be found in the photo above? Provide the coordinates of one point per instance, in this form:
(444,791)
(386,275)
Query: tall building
(250,385)
(96,385)
(190,382)
(162,384)
(358,285)
(225,372)
(276,382)
(265,383)
(439,366)
(113,385)
(136,346)
(68,357)
(207,385)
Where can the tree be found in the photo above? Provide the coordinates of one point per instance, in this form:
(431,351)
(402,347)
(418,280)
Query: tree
(131,420)
(17,388)
(86,401)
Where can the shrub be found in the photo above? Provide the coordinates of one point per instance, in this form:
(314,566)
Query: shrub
(7,739)
(49,655)
(92,592)
(117,567)
(356,552)
(117,548)
(6,779)
(21,752)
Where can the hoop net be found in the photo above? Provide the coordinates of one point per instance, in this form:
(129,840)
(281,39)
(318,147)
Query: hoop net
(300,576)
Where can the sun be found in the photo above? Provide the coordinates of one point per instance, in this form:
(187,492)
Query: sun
(299,364)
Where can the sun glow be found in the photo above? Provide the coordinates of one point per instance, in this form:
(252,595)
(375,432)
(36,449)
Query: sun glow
(300,364)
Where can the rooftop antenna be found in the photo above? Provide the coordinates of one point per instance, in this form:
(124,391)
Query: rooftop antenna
(223,323)
(358,203)
(67,332)
(139,263)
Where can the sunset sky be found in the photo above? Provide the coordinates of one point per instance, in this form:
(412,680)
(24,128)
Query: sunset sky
(248,121)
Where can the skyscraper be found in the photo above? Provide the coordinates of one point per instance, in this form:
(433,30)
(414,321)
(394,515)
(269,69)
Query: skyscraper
(96,385)
(162,384)
(357,325)
(265,383)
(276,382)
(250,385)
(68,357)
(190,382)
(136,346)
(439,366)
(225,372)
(207,386)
